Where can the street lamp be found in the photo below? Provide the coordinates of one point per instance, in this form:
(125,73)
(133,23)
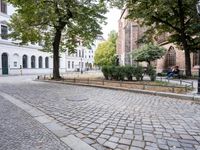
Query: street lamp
(198,11)
(198,7)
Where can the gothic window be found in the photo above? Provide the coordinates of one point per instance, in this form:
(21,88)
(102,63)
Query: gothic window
(32,61)
(171,57)
(25,61)
(195,59)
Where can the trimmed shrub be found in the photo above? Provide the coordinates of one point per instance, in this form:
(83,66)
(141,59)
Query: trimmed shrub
(138,73)
(105,71)
(151,72)
(128,71)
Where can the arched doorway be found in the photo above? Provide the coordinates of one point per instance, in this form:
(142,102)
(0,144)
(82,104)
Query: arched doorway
(4,58)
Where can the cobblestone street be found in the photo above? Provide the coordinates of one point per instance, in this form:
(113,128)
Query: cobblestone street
(104,119)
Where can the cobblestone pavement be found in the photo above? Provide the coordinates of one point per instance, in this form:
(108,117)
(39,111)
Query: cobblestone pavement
(18,131)
(110,119)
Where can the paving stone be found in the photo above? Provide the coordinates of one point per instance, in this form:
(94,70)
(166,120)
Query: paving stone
(114,139)
(109,113)
(110,144)
(125,141)
(75,143)
(123,147)
(135,148)
(140,144)
(101,140)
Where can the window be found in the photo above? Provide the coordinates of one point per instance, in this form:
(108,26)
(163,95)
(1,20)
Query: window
(83,53)
(195,59)
(15,64)
(32,61)
(3,7)
(171,57)
(47,62)
(40,61)
(68,64)
(79,53)
(72,65)
(4,32)
(25,61)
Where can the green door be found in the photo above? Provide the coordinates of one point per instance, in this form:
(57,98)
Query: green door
(4,59)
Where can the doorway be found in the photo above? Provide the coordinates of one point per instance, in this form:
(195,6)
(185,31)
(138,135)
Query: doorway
(4,58)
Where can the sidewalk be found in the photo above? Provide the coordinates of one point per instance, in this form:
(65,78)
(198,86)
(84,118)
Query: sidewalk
(183,82)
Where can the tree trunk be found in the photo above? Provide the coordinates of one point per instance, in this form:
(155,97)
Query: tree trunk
(183,38)
(187,63)
(56,60)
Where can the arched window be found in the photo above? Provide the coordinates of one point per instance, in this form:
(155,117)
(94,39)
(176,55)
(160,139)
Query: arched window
(32,61)
(47,62)
(195,59)
(25,61)
(171,57)
(40,61)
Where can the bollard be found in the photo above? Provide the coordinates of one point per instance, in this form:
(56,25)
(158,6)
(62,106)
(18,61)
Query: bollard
(120,83)
(185,88)
(143,87)
(173,90)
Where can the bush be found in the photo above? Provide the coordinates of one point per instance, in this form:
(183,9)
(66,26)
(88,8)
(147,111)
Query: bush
(128,71)
(151,72)
(105,71)
(138,73)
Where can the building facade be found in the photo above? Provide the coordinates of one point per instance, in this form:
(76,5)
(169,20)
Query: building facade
(29,59)
(128,35)
(129,32)
(83,58)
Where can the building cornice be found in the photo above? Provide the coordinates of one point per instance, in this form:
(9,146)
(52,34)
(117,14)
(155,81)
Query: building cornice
(10,43)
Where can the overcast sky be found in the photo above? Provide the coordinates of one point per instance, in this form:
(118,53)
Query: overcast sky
(112,22)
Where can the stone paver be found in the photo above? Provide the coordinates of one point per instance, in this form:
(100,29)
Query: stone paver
(111,119)
(19,131)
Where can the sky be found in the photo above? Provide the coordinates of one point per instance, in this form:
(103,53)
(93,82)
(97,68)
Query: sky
(112,22)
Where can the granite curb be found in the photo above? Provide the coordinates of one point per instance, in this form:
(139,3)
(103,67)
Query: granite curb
(163,94)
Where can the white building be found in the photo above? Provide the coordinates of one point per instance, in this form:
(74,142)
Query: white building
(16,59)
(83,59)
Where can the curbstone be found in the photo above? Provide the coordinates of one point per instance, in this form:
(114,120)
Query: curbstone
(163,94)
(174,95)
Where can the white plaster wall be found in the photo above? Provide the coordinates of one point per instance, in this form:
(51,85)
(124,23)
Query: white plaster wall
(13,50)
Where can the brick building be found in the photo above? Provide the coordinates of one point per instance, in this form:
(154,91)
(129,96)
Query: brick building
(128,35)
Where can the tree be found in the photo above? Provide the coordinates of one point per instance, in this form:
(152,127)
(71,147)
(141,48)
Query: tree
(58,23)
(105,53)
(177,17)
(148,53)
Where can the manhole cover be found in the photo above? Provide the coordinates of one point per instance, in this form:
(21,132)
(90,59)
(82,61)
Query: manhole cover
(76,98)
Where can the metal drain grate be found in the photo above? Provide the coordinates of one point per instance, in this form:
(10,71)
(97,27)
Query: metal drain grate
(77,98)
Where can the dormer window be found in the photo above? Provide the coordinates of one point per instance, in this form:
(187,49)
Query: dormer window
(3,7)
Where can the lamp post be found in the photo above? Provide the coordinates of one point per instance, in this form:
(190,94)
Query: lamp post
(198,11)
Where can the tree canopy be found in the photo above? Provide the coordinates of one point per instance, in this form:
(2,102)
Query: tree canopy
(57,23)
(105,52)
(148,53)
(177,17)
